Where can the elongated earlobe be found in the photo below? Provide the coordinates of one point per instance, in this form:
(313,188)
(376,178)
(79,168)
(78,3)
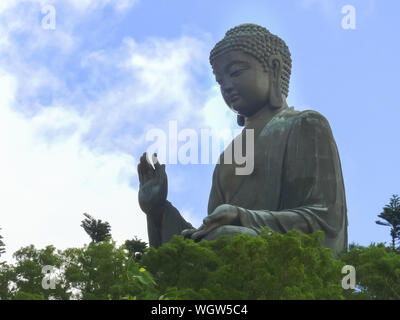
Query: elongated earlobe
(275,97)
(275,93)
(240,120)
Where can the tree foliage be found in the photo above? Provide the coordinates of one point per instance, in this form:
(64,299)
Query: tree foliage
(391,215)
(136,248)
(7,274)
(97,230)
(2,246)
(97,271)
(271,266)
(377,272)
(104,271)
(28,274)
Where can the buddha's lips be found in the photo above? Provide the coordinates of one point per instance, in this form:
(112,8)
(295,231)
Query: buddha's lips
(234,97)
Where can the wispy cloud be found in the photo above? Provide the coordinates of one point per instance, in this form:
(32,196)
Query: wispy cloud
(80,5)
(48,184)
(156,82)
(73,120)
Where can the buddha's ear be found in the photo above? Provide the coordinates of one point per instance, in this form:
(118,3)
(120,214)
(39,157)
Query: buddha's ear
(275,93)
(240,120)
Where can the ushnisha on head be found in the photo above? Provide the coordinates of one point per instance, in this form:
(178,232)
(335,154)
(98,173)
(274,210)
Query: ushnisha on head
(269,50)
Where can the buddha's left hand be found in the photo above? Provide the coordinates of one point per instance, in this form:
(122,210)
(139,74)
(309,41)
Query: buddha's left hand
(224,214)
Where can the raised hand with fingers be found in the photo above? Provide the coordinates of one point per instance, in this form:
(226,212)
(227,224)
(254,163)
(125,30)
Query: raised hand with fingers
(153,187)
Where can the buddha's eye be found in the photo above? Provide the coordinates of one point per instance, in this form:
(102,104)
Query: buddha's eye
(237,73)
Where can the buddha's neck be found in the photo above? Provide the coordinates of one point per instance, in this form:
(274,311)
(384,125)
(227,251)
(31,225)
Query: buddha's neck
(263,116)
(260,118)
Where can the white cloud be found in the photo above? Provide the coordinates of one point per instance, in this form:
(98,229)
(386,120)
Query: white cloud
(22,20)
(46,187)
(80,5)
(156,78)
(157,83)
(22,16)
(165,70)
(216,113)
(78,153)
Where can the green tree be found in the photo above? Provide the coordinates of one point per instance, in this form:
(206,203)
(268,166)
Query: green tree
(377,272)
(96,271)
(136,248)
(103,271)
(96,229)
(29,276)
(7,277)
(270,266)
(2,247)
(391,215)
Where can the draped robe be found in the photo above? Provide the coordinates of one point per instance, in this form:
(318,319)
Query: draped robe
(296,183)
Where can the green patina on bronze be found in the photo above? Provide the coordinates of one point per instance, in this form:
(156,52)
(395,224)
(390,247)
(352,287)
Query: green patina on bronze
(297,179)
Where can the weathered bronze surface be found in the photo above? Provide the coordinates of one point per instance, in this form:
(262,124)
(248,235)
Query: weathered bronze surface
(297,179)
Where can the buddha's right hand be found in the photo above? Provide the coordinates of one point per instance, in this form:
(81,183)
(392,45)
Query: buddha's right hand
(153,187)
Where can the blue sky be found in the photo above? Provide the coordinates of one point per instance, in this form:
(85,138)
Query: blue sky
(76,103)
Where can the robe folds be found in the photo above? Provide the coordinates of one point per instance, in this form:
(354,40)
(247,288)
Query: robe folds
(296,183)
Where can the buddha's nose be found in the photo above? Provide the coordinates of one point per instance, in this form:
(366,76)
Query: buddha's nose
(227,87)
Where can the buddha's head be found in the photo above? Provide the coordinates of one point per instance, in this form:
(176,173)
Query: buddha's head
(252,67)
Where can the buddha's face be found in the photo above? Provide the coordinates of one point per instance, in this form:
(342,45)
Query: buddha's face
(244,84)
